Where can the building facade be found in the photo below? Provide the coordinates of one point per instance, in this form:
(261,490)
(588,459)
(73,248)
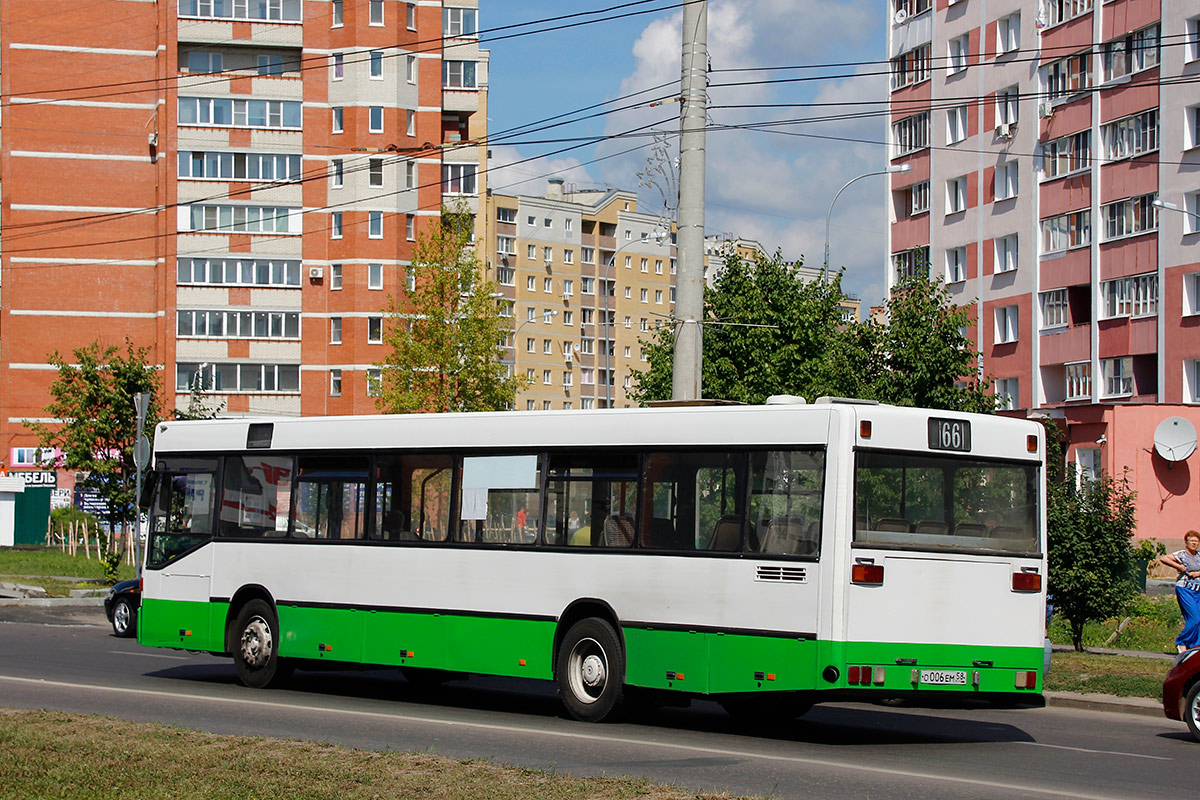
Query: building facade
(1054,148)
(242,184)
(586,277)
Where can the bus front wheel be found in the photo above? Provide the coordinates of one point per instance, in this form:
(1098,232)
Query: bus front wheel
(256,647)
(591,670)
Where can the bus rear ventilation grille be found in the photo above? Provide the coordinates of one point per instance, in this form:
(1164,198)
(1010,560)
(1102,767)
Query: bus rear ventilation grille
(784,574)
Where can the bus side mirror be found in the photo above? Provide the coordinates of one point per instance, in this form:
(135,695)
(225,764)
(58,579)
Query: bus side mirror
(148,490)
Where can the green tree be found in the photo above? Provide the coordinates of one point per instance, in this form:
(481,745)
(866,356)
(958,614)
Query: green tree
(93,396)
(767,331)
(446,337)
(921,357)
(1090,526)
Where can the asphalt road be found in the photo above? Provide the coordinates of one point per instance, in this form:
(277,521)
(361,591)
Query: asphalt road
(68,660)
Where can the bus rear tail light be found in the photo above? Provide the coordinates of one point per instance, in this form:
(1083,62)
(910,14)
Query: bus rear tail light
(864,428)
(865,676)
(1031,443)
(1026,679)
(1026,582)
(870,574)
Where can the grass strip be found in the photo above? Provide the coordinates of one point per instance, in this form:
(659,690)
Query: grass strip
(1101,673)
(49,562)
(49,754)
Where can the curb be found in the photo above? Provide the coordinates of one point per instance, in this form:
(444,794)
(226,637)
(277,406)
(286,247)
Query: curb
(51,602)
(1142,706)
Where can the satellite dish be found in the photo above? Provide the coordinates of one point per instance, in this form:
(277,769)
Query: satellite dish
(901,15)
(1175,438)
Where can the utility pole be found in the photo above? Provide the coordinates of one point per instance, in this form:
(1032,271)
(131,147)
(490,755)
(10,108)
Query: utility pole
(689,278)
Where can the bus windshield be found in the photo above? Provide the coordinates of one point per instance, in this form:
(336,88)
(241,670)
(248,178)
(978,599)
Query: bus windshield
(945,502)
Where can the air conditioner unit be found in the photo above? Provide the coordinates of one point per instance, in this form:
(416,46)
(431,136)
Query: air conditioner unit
(1004,130)
(569,356)
(1045,110)
(316,273)
(566,297)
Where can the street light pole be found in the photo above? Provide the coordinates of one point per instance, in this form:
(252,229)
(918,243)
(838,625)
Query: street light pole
(893,169)
(657,238)
(1173,207)
(545,315)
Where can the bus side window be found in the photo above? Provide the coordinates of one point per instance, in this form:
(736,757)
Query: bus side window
(331,497)
(182,516)
(501,498)
(687,495)
(591,500)
(786,502)
(412,497)
(257,496)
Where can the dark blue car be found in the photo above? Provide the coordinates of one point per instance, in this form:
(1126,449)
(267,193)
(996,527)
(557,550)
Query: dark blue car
(121,606)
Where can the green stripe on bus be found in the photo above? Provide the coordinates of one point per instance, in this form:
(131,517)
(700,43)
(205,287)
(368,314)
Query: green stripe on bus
(681,660)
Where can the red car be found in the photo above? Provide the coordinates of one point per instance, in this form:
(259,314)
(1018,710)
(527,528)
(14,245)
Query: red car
(1181,691)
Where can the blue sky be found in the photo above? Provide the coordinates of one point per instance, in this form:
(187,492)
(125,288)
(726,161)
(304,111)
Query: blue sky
(771,185)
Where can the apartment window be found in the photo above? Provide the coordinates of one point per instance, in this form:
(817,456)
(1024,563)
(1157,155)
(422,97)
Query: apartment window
(264,10)
(1066,231)
(410,16)
(226,378)
(960,53)
(1067,155)
(911,67)
(910,8)
(956,124)
(658,296)
(1006,324)
(506,245)
(956,194)
(531,251)
(587,255)
(566,381)
(1118,376)
(335,225)
(911,134)
(1191,294)
(238,324)
(1054,308)
(376,65)
(458,75)
(239,219)
(1131,53)
(374,382)
(587,285)
(202,165)
(1069,75)
(568,225)
(335,277)
(1006,253)
(587,316)
(1130,217)
(375,224)
(1006,180)
(658,266)
(645,265)
(628,262)
(1131,136)
(410,122)
(568,256)
(237,113)
(568,287)
(530,313)
(547,317)
(568,318)
(506,276)
(336,125)
(645,295)
(911,262)
(410,227)
(335,383)
(1079,380)
(459,179)
(375,276)
(1007,393)
(335,330)
(506,215)
(410,279)
(956,264)
(375,12)
(547,285)
(199,62)
(374,330)
(548,255)
(375,172)
(1193,40)
(1007,108)
(1134,296)
(410,69)
(1062,10)
(336,13)
(1008,33)
(918,198)
(460,22)
(375,119)
(1191,204)
(339,66)
(547,377)
(270,65)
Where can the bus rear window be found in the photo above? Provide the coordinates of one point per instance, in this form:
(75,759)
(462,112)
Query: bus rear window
(945,502)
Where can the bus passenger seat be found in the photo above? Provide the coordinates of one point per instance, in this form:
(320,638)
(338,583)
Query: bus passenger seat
(970,529)
(783,536)
(661,534)
(726,533)
(1007,532)
(892,524)
(936,526)
(618,530)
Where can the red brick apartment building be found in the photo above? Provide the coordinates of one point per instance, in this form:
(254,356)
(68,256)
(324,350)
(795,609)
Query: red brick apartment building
(1055,186)
(234,183)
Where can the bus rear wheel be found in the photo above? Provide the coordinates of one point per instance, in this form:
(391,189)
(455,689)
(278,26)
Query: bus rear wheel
(256,647)
(591,671)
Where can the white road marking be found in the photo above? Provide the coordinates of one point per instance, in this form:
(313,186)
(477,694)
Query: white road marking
(708,750)
(1095,752)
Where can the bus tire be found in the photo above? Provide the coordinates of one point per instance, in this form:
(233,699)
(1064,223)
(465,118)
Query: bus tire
(256,647)
(591,671)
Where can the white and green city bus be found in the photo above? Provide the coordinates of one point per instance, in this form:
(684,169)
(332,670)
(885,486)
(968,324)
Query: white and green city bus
(767,557)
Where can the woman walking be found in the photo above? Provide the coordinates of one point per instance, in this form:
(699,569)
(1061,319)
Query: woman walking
(1187,589)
